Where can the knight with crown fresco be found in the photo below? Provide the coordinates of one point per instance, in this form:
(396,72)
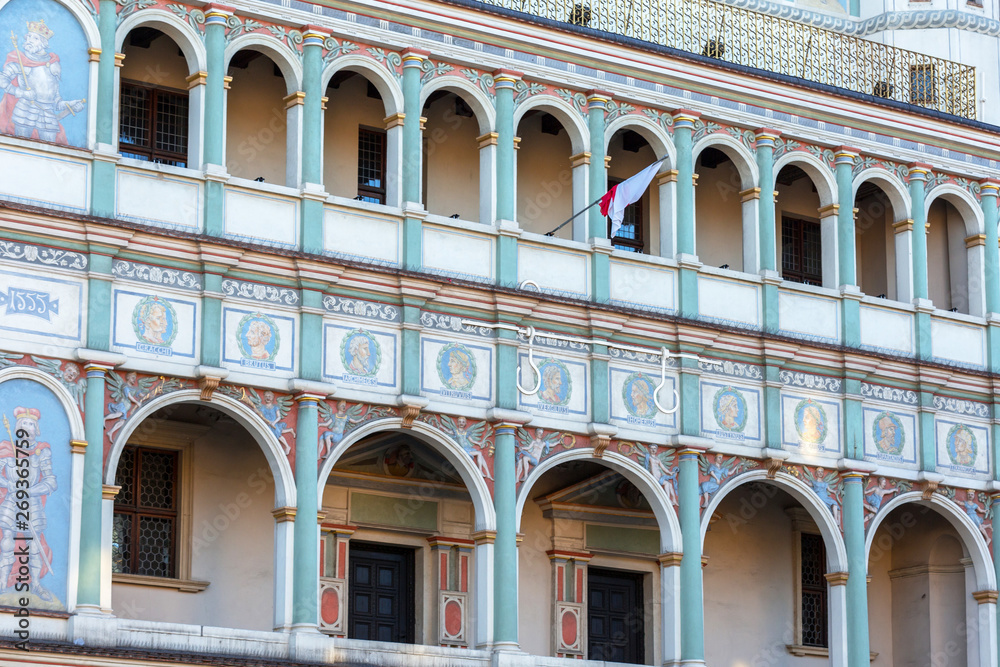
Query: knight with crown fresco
(41,484)
(32,105)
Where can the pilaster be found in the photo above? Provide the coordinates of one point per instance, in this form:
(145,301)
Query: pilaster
(102,192)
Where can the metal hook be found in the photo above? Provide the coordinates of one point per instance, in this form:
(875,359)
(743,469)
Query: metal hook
(531,362)
(664,355)
(524,284)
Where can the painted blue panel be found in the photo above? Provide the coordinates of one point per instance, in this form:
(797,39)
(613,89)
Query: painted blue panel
(51,53)
(34,419)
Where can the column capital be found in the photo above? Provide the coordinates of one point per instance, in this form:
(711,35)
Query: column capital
(100,358)
(414,57)
(217,14)
(989,187)
(903,226)
(836,578)
(598,99)
(199,78)
(684,119)
(985,597)
(283,514)
(78,446)
(919,170)
(845,155)
(579,159)
(670,559)
(975,240)
(302,387)
(766,136)
(829,209)
(506,78)
(314,35)
(488,139)
(502,418)
(560,554)
(109,491)
(484,536)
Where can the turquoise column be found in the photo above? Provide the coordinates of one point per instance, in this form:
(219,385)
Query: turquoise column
(216,18)
(684,122)
(505,614)
(311,232)
(91,574)
(102,188)
(305,564)
(99,299)
(413,60)
(506,206)
(767,229)
(843,162)
(995,503)
(692,602)
(857,571)
(925,423)
(689,509)
(600,405)
(918,181)
(988,190)
(597,185)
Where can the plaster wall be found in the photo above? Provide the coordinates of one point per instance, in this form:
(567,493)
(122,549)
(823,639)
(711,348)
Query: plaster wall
(917,595)
(452,161)
(347,108)
(232,542)
(625,164)
(544,178)
(256,126)
(875,249)
(719,214)
(749,588)
(947,265)
(159,65)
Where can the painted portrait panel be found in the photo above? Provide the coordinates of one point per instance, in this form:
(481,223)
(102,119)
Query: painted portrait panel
(45,74)
(962,447)
(890,436)
(256,340)
(632,398)
(462,371)
(562,385)
(35,424)
(357,355)
(730,412)
(810,424)
(154,325)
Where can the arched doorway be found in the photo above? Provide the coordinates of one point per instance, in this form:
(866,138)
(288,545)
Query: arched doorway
(597,575)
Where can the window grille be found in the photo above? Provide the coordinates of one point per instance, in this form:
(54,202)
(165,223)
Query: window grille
(153,124)
(801,251)
(629,236)
(922,84)
(371,165)
(144,530)
(814,586)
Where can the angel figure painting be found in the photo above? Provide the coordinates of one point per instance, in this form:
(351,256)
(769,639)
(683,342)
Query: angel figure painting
(472,439)
(531,450)
(336,423)
(718,470)
(130,393)
(825,486)
(68,373)
(273,410)
(659,466)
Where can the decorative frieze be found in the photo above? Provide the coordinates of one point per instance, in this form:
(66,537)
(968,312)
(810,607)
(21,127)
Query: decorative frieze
(811,382)
(41,255)
(891,394)
(358,308)
(260,292)
(156,275)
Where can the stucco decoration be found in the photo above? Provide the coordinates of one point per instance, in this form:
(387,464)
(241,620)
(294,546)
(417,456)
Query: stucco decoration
(877,491)
(976,505)
(45,75)
(337,420)
(125,393)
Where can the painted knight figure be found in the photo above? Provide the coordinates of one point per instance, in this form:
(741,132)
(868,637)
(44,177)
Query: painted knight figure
(33,106)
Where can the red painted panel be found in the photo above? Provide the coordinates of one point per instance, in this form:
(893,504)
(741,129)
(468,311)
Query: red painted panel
(453,618)
(569,629)
(465,574)
(330,606)
(341,559)
(444,570)
(579,584)
(560,578)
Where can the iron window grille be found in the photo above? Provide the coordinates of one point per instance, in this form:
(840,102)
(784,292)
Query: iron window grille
(629,236)
(814,591)
(153,124)
(371,165)
(923,88)
(144,531)
(801,251)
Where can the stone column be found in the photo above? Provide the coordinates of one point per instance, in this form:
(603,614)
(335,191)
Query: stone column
(216,82)
(684,122)
(102,191)
(311,150)
(505,616)
(305,563)
(857,567)
(506,202)
(766,138)
(413,208)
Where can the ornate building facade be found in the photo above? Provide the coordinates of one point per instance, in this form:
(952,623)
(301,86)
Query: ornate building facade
(294,368)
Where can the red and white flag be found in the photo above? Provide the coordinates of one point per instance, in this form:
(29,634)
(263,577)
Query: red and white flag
(627,192)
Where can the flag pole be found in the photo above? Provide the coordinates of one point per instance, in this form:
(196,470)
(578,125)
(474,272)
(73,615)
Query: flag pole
(575,215)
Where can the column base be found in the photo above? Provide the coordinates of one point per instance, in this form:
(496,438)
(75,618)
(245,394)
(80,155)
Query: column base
(90,626)
(509,654)
(307,644)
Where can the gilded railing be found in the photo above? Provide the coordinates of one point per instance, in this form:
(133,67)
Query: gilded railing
(774,44)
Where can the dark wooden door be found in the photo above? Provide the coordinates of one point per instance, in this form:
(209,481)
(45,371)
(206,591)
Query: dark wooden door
(380,606)
(615,616)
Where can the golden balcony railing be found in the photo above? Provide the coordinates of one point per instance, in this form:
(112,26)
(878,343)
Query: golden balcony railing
(765,42)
